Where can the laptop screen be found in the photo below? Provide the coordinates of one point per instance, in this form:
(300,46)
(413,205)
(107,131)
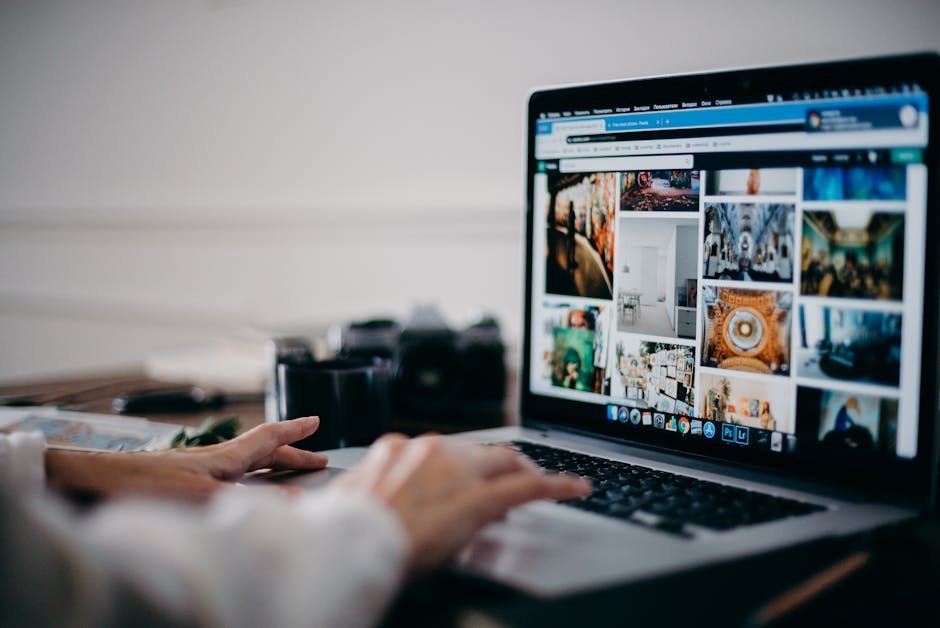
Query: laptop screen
(734,264)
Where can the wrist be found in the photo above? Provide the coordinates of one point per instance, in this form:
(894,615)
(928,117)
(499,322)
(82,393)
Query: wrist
(77,473)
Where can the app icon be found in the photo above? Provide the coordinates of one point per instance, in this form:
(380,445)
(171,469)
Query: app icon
(635,416)
(776,441)
(659,420)
(696,427)
(741,434)
(647,418)
(814,120)
(623,415)
(684,426)
(671,424)
(727,432)
(708,429)
(611,412)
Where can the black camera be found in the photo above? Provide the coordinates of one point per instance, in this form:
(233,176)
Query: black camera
(438,373)
(435,373)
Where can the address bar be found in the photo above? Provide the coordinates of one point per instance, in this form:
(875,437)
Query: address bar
(579,126)
(607,164)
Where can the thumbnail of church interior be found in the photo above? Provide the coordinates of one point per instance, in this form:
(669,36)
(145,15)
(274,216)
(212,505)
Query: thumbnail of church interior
(747,330)
(749,242)
(855,253)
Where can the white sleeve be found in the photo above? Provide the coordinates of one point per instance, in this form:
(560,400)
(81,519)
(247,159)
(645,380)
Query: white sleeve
(22,465)
(252,557)
(258,559)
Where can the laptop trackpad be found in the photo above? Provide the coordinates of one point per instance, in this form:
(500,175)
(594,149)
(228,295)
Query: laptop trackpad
(549,550)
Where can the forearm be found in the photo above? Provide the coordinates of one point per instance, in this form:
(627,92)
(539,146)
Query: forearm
(78,473)
(27,468)
(171,474)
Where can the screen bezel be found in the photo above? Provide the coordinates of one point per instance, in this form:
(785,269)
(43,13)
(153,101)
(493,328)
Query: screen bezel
(889,478)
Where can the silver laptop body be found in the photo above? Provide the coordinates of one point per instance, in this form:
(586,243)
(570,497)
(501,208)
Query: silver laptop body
(838,152)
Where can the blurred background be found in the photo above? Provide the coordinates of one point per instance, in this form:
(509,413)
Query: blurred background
(177,173)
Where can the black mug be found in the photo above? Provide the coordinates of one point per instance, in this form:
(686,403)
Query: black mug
(350,396)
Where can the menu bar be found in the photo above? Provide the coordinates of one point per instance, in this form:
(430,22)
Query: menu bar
(827,115)
(730,100)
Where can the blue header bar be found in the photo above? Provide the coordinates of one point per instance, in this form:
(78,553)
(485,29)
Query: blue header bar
(770,113)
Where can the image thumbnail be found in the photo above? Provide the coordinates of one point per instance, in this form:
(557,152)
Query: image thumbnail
(656,260)
(580,234)
(850,421)
(573,359)
(660,190)
(845,344)
(753,181)
(759,403)
(855,253)
(746,330)
(572,343)
(858,183)
(646,374)
(748,242)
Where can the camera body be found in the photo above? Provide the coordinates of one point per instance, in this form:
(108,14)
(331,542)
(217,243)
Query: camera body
(435,373)
(438,373)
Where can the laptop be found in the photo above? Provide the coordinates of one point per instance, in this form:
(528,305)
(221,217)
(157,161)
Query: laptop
(731,305)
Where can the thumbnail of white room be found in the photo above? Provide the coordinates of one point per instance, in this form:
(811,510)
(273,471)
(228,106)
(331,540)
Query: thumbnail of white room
(655,276)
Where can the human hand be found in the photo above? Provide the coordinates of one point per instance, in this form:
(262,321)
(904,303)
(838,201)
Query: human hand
(191,474)
(444,490)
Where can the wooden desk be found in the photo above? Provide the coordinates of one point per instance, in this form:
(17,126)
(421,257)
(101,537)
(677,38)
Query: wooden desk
(97,393)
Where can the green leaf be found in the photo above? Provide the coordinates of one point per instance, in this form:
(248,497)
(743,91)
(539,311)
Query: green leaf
(209,433)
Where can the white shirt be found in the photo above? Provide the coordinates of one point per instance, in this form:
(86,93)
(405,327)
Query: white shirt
(249,558)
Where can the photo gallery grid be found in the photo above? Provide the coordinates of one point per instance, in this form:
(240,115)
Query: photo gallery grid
(747,296)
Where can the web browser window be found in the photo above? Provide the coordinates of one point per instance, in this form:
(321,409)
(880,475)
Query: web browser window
(746,274)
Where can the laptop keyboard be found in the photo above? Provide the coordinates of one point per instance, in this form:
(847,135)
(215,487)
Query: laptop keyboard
(662,500)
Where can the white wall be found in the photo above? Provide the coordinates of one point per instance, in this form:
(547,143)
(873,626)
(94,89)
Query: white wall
(670,271)
(174,169)
(649,271)
(686,255)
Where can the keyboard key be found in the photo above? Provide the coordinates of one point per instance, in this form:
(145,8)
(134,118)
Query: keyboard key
(661,500)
